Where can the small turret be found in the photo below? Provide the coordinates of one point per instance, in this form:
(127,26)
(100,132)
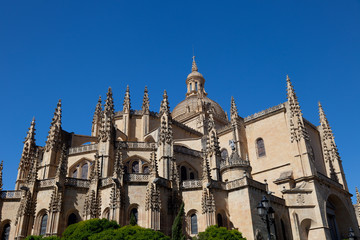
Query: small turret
(195,82)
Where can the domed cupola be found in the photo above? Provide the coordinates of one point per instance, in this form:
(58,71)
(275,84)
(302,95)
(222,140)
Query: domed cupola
(195,82)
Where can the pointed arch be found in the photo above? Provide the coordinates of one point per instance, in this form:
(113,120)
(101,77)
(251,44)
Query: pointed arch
(78,168)
(5,228)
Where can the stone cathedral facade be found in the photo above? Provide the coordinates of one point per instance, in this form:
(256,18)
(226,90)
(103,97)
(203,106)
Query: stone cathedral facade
(145,163)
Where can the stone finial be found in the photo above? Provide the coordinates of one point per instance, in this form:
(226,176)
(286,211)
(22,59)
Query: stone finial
(126,104)
(146,103)
(98,112)
(233,109)
(1,175)
(29,147)
(357,194)
(54,137)
(194,67)
(164,107)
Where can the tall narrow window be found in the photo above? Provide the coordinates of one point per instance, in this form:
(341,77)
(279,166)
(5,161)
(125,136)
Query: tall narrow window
(74,175)
(146,170)
(194,226)
(183,173)
(260,147)
(43,224)
(134,212)
(135,167)
(6,232)
(190,87)
(84,171)
(72,219)
(219,220)
(196,86)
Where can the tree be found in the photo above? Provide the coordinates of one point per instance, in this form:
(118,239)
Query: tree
(32,237)
(83,230)
(177,227)
(133,221)
(220,233)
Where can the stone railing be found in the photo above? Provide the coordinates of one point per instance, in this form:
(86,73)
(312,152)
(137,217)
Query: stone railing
(181,149)
(82,149)
(137,177)
(47,183)
(235,163)
(106,182)
(190,184)
(137,145)
(77,182)
(10,194)
(264,112)
(236,183)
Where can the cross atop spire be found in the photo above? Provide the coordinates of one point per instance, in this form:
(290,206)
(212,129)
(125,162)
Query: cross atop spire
(194,66)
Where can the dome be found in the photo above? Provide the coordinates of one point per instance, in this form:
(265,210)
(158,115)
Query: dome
(190,104)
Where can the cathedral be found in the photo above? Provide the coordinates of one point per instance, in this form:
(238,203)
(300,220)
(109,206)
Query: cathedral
(272,174)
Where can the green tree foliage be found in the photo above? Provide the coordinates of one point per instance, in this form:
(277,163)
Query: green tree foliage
(129,233)
(177,229)
(132,219)
(83,230)
(220,233)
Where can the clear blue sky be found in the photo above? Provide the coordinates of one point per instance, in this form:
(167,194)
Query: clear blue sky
(75,50)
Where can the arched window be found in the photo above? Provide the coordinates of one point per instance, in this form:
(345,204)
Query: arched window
(135,167)
(260,147)
(196,86)
(219,220)
(146,170)
(134,212)
(84,171)
(192,175)
(74,175)
(190,86)
(6,232)
(72,219)
(224,154)
(183,173)
(43,224)
(194,226)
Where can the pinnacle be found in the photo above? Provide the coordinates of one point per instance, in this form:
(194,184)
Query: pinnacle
(194,67)
(357,192)
(233,108)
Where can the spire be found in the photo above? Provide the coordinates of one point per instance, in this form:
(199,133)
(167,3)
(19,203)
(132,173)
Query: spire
(153,163)
(165,108)
(357,194)
(206,176)
(233,109)
(297,126)
(1,174)
(127,106)
(29,146)
(109,104)
(194,67)
(33,173)
(146,102)
(98,112)
(95,168)
(292,99)
(325,124)
(54,137)
(107,117)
